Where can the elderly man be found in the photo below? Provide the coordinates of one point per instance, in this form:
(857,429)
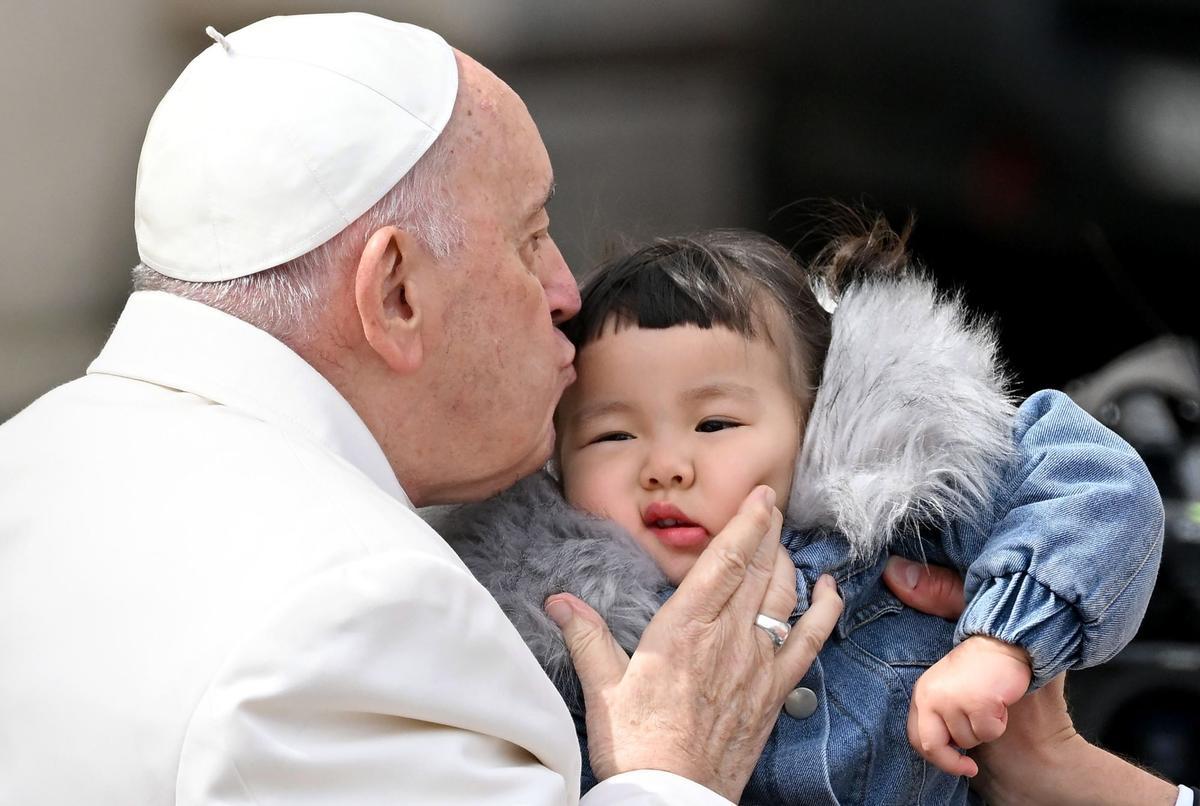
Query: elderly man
(213,585)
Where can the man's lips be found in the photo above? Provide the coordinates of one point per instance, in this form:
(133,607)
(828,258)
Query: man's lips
(672,527)
(568,348)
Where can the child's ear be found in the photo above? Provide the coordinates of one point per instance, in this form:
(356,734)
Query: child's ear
(388,291)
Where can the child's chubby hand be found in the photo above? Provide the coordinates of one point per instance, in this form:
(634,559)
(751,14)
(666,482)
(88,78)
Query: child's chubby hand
(963,700)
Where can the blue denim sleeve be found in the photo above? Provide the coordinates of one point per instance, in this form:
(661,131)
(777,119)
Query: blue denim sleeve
(1066,561)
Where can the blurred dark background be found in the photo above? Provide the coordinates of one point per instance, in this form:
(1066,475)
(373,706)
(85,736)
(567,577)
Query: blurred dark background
(1048,149)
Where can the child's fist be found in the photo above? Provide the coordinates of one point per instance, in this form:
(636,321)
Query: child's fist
(963,700)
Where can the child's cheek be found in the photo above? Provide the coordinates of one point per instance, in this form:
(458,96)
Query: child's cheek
(592,490)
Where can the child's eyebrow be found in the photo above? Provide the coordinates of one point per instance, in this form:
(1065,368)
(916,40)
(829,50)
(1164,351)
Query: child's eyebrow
(593,410)
(714,390)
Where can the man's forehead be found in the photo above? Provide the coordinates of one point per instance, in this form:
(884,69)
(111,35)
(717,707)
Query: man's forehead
(494,118)
(504,162)
(484,101)
(518,167)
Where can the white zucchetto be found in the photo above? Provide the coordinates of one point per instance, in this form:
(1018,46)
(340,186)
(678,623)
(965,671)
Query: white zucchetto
(279,135)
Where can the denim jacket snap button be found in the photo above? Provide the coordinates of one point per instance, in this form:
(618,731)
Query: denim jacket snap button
(801,703)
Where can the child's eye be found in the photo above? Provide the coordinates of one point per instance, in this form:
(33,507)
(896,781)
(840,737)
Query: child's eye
(713,424)
(612,436)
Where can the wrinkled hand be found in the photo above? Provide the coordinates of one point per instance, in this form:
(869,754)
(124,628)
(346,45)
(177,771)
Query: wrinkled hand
(963,700)
(702,692)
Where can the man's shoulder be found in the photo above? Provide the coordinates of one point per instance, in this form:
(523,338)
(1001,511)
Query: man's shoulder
(189,467)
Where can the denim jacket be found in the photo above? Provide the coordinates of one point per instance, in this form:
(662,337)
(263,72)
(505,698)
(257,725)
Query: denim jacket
(1059,544)
(1063,566)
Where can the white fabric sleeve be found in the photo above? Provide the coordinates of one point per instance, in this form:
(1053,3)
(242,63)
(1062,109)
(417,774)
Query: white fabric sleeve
(651,788)
(393,678)
(1186,797)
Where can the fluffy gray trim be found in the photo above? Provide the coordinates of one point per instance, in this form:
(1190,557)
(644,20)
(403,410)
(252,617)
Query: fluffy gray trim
(528,543)
(912,421)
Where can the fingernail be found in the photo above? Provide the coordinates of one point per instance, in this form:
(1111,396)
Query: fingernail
(825,580)
(768,496)
(909,573)
(560,612)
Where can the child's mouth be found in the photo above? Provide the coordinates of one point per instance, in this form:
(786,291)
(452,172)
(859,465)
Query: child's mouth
(673,528)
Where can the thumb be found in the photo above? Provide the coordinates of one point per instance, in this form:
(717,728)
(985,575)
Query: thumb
(599,660)
(929,588)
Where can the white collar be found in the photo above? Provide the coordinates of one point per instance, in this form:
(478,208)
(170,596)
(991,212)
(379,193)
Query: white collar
(180,344)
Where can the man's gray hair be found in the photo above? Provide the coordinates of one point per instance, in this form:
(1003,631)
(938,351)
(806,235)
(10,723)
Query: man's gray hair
(286,300)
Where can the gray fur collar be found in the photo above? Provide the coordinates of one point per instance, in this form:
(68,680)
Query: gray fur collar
(911,424)
(528,543)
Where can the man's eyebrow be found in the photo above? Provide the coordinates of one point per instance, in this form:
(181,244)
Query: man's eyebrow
(541,205)
(721,389)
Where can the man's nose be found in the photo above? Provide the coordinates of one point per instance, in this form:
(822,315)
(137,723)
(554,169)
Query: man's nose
(667,469)
(562,293)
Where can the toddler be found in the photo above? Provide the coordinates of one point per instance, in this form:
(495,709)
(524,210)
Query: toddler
(707,366)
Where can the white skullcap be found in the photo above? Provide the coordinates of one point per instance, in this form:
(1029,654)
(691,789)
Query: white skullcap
(278,136)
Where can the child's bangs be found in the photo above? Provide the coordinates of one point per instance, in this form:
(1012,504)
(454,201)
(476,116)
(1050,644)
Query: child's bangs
(667,284)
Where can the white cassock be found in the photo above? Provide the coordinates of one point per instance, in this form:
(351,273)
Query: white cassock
(213,590)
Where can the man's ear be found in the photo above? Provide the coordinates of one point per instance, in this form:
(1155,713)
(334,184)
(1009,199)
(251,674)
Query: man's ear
(389,302)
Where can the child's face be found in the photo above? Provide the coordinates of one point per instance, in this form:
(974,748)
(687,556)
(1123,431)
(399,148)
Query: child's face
(666,431)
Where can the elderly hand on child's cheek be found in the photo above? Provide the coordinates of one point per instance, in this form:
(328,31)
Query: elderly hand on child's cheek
(963,700)
(701,694)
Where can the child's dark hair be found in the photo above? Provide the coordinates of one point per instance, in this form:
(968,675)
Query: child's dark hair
(736,279)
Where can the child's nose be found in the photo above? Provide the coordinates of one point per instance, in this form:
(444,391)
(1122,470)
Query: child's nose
(667,471)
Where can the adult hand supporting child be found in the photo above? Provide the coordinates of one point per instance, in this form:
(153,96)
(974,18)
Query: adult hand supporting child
(701,661)
(1040,758)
